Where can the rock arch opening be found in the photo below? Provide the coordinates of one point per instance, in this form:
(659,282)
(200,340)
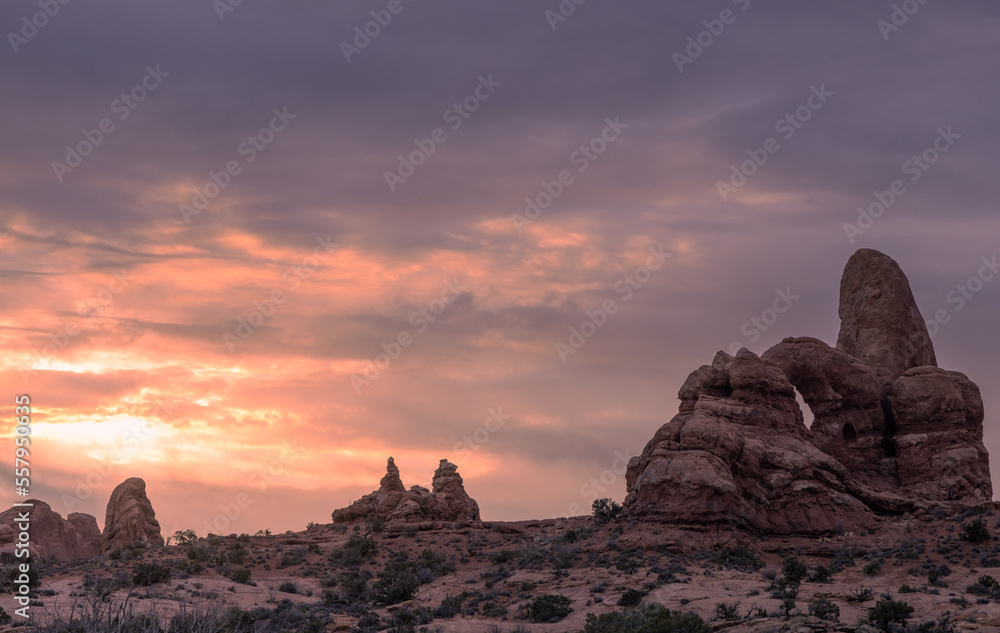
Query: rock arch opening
(849,433)
(807,414)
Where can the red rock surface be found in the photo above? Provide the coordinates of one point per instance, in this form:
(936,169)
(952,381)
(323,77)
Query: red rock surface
(892,433)
(130,518)
(51,536)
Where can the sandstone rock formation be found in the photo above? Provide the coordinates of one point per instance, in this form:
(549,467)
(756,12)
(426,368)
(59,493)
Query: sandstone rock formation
(392,502)
(939,442)
(880,323)
(130,518)
(892,433)
(86,525)
(846,399)
(738,452)
(51,536)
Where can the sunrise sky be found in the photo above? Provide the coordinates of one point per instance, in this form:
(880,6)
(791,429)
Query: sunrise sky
(127,311)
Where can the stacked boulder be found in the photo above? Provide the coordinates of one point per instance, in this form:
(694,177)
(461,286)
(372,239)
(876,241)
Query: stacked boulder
(393,503)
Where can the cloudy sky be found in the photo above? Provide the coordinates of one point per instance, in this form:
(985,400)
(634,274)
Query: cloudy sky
(215,218)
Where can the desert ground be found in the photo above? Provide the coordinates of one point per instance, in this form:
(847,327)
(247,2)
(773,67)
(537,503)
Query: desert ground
(495,576)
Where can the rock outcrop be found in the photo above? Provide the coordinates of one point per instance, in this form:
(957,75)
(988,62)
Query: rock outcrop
(393,503)
(738,452)
(846,399)
(880,323)
(130,518)
(51,536)
(892,432)
(939,441)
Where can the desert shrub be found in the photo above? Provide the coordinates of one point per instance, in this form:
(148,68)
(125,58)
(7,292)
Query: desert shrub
(843,558)
(529,556)
(450,606)
(989,581)
(504,556)
(396,583)
(405,620)
(354,584)
(13,574)
(824,610)
(727,611)
(430,565)
(375,523)
(872,568)
(648,618)
(241,576)
(739,558)
(975,531)
(183,537)
(198,552)
(573,535)
(294,556)
(627,563)
(605,510)
(4,617)
(786,608)
(288,587)
(493,610)
(862,594)
(794,570)
(146,574)
(820,574)
(888,612)
(355,551)
(630,598)
(941,625)
(549,608)
(935,575)
(785,590)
